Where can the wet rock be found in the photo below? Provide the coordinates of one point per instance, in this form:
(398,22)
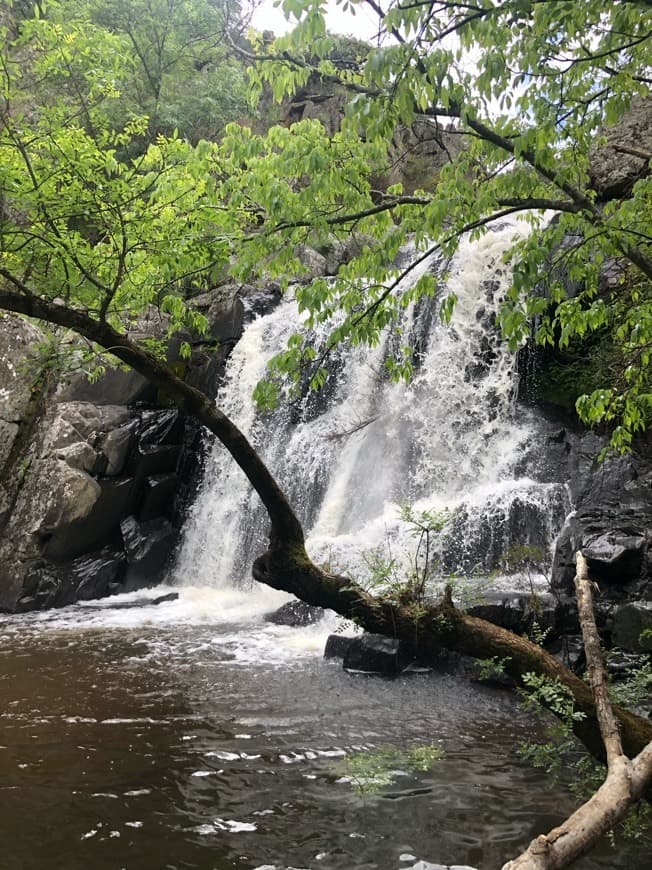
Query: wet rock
(615,557)
(42,588)
(148,547)
(295,614)
(151,459)
(93,575)
(337,646)
(56,585)
(258,301)
(376,654)
(158,496)
(162,599)
(145,602)
(632,626)
(160,428)
(518,612)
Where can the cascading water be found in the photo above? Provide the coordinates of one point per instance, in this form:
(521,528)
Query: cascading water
(452,439)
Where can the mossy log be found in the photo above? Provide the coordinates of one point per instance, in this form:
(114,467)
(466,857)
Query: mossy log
(432,628)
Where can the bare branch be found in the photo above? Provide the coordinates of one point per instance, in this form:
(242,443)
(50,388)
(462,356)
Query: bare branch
(626,779)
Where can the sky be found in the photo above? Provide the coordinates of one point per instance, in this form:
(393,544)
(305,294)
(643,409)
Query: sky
(363,25)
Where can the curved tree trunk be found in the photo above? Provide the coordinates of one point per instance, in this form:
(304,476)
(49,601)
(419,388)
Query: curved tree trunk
(287,566)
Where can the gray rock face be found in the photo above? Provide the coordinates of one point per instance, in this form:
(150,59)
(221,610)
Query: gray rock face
(20,393)
(612,526)
(90,467)
(614,172)
(632,626)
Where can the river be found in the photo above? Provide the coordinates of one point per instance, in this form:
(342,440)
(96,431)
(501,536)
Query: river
(192,734)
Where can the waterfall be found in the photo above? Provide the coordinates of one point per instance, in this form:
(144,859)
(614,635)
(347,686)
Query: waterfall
(452,439)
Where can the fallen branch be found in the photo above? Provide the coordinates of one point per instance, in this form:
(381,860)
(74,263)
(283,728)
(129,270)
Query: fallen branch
(626,778)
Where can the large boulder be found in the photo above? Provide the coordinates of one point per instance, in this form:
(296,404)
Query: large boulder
(614,168)
(89,468)
(632,626)
(377,654)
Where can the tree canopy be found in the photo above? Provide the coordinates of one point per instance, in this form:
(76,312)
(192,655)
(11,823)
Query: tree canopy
(110,208)
(530,88)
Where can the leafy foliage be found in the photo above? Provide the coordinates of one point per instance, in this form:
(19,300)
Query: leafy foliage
(371,771)
(532,86)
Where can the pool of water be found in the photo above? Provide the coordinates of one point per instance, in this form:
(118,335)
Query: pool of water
(191,734)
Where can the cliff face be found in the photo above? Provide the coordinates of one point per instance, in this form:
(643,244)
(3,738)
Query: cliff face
(89,475)
(94,477)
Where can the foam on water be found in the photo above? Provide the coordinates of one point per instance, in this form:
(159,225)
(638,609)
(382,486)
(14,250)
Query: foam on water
(232,619)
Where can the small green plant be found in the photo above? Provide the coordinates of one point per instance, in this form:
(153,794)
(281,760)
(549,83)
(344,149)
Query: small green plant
(371,771)
(542,691)
(561,753)
(538,633)
(636,689)
(424,526)
(492,667)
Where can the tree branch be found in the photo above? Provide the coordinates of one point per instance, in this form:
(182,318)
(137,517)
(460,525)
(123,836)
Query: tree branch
(626,779)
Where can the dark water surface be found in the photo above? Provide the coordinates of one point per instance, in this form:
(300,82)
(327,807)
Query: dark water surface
(192,735)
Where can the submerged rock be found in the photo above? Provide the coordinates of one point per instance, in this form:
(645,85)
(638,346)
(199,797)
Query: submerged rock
(295,614)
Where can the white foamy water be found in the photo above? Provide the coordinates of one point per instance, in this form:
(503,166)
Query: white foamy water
(451,440)
(226,618)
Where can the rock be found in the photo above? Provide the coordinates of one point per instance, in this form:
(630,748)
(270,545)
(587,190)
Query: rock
(148,547)
(158,497)
(615,557)
(313,263)
(162,599)
(295,614)
(376,654)
(18,385)
(80,455)
(93,575)
(614,173)
(570,652)
(629,623)
(337,646)
(517,612)
(160,427)
(115,447)
(116,499)
(115,387)
(338,252)
(258,301)
(66,496)
(151,459)
(82,422)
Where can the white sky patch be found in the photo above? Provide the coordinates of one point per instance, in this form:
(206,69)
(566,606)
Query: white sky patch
(269,15)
